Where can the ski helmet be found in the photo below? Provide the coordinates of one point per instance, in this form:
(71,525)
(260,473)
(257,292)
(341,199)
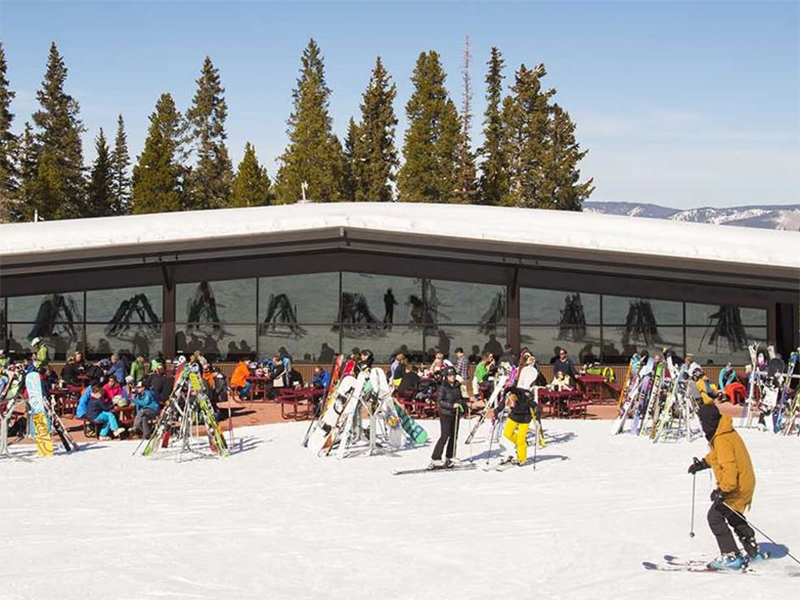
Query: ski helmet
(36,341)
(450,371)
(695,371)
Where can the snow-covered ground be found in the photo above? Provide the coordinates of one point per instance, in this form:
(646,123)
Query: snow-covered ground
(273,521)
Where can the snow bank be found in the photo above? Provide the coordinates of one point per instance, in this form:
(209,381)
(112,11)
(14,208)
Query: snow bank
(273,521)
(590,231)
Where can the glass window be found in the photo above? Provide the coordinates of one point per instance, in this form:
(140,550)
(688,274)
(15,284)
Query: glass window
(619,343)
(299,298)
(641,313)
(384,343)
(381,298)
(125,306)
(725,316)
(62,339)
(465,303)
(230,301)
(47,309)
(543,342)
(216,342)
(711,346)
(308,343)
(472,338)
(103,340)
(548,307)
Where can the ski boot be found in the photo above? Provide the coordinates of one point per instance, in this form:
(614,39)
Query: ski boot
(451,462)
(754,553)
(435,464)
(731,560)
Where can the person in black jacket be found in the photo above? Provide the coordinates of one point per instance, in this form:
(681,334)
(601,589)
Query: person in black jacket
(159,383)
(451,403)
(519,420)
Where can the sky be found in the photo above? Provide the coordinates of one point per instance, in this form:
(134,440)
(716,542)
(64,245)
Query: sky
(684,104)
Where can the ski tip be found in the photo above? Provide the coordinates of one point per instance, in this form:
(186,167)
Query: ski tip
(649,566)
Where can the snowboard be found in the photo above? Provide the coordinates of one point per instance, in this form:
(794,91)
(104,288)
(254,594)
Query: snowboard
(413,429)
(41,428)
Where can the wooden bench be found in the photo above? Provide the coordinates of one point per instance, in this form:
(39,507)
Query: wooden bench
(297,399)
(576,408)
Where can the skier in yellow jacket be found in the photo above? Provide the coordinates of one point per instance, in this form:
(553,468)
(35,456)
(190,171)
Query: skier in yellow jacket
(736,482)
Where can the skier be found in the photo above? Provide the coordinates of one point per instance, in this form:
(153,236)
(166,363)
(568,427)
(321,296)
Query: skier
(451,403)
(736,482)
(519,419)
(41,357)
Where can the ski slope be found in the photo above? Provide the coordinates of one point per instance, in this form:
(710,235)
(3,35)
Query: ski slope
(273,521)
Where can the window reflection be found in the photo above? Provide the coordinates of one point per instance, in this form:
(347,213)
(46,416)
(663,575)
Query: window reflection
(546,307)
(216,302)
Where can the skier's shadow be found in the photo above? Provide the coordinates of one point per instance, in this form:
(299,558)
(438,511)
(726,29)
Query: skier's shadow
(774,550)
(558,438)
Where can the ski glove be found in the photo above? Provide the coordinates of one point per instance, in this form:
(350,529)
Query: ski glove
(698,465)
(717,497)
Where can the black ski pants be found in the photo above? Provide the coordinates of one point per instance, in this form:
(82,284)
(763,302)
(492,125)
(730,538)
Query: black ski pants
(719,519)
(447,436)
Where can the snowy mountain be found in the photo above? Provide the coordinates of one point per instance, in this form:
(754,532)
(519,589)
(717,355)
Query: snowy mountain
(764,216)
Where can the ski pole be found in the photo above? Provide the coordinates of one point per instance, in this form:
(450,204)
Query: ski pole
(694,487)
(789,554)
(535,442)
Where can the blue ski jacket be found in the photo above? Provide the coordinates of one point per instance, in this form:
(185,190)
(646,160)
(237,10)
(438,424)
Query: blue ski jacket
(146,400)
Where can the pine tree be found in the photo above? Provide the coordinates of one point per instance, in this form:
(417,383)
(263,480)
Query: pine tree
(99,200)
(525,119)
(431,140)
(209,183)
(158,176)
(351,162)
(9,181)
(375,156)
(60,186)
(494,182)
(562,156)
(314,154)
(121,179)
(28,160)
(251,186)
(466,191)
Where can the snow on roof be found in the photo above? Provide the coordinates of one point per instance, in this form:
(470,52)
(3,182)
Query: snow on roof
(589,231)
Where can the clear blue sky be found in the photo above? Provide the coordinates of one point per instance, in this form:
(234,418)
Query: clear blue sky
(679,103)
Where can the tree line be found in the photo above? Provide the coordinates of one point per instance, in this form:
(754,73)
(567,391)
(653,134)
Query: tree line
(529,156)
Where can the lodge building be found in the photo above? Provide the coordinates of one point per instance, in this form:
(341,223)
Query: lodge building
(315,279)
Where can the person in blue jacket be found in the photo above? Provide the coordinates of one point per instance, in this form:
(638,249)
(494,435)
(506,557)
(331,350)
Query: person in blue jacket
(100,412)
(147,408)
(321,378)
(117,368)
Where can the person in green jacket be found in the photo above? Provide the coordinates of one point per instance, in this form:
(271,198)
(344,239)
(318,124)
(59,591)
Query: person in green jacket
(41,359)
(138,368)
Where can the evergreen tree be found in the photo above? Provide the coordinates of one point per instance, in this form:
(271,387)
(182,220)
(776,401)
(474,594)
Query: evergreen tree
(8,146)
(28,160)
(100,195)
(251,186)
(525,119)
(431,140)
(60,186)
(209,183)
(158,176)
(351,162)
(375,156)
(562,156)
(120,177)
(494,182)
(466,191)
(314,154)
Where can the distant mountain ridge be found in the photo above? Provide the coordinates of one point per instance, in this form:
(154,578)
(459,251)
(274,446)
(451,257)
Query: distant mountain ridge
(761,216)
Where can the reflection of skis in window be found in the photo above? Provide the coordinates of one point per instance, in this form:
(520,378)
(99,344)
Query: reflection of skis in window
(356,315)
(572,324)
(135,312)
(281,316)
(726,324)
(641,325)
(495,316)
(202,308)
(56,317)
